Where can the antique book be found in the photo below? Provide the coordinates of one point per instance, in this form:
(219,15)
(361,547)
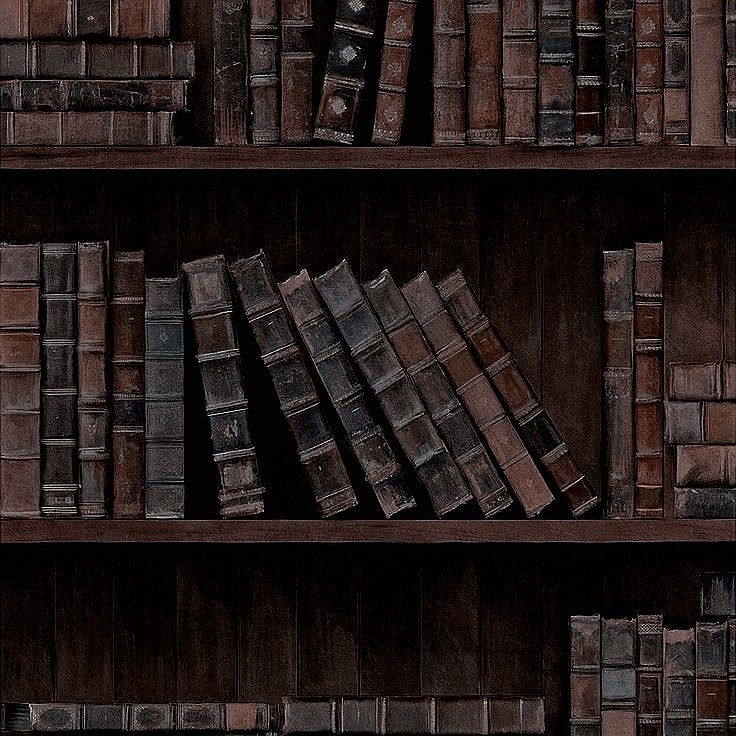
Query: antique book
(705,503)
(55,716)
(676,71)
(453,422)
(679,681)
(618,677)
(263,71)
(619,17)
(700,422)
(230,65)
(618,381)
(448,72)
(536,426)
(105,717)
(381,369)
(151,717)
(731,73)
(648,388)
(274,334)
(345,75)
(226,402)
(731,676)
(711,678)
(705,465)
(702,381)
(467,716)
(478,395)
(164,358)
(382,471)
(649,674)
(128,316)
(516,715)
(20,380)
(585,675)
(249,717)
(119,18)
(91,18)
(649,72)
(93,413)
(297,62)
(138,18)
(47,18)
(308,715)
(395,57)
(407,715)
(519,71)
(590,73)
(14,19)
(199,716)
(718,595)
(358,715)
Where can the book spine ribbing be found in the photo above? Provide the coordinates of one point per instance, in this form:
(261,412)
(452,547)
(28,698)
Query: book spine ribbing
(677,71)
(649,72)
(711,678)
(230,64)
(263,72)
(590,73)
(619,72)
(448,72)
(585,675)
(649,674)
(679,681)
(618,677)
(297,63)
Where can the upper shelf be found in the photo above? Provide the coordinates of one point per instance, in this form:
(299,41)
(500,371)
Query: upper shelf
(370,158)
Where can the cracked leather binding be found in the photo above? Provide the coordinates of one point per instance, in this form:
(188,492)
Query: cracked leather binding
(229,91)
(297,62)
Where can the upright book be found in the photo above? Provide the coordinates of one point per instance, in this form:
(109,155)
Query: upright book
(585,675)
(229,92)
(679,681)
(649,71)
(263,70)
(731,74)
(590,73)
(448,72)
(297,66)
(620,121)
(649,674)
(618,677)
(676,71)
(711,678)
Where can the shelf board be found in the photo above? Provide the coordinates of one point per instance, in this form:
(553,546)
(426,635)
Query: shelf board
(370,158)
(592,531)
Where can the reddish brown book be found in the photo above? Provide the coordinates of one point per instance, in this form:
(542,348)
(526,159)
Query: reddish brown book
(676,71)
(297,62)
(619,72)
(49,18)
(649,72)
(731,74)
(230,64)
(585,675)
(590,73)
(448,72)
(263,70)
(700,422)
(520,74)
(705,465)
(679,681)
(649,674)
(702,381)
(14,19)
(140,18)
(711,678)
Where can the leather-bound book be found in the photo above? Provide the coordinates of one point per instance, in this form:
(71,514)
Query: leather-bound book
(358,715)
(392,81)
(705,465)
(404,716)
(676,71)
(48,18)
(619,72)
(199,716)
(211,311)
(649,675)
(91,18)
(705,503)
(718,595)
(700,422)
(14,19)
(618,677)
(247,717)
(478,395)
(297,62)
(535,425)
(516,715)
(711,678)
(731,72)
(451,418)
(585,675)
(128,459)
(333,366)
(263,71)
(140,18)
(20,380)
(105,717)
(230,65)
(151,717)
(618,381)
(342,88)
(649,72)
(731,676)
(308,715)
(276,339)
(468,716)
(381,369)
(519,71)
(702,381)
(55,716)
(164,384)
(59,458)
(590,73)
(93,413)
(679,682)
(448,72)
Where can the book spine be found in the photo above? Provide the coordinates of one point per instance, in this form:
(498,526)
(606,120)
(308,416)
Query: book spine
(648,369)
(618,380)
(700,422)
(401,716)
(226,402)
(718,595)
(140,18)
(618,677)
(476,392)
(731,676)
(297,65)
(705,503)
(20,380)
(395,58)
(700,381)
(516,715)
(48,18)
(199,716)
(649,72)
(448,73)
(585,675)
(590,73)
(381,369)
(679,681)
(535,425)
(619,72)
(151,717)
(14,19)
(345,74)
(263,70)
(731,72)
(452,420)
(711,678)
(520,73)
(164,405)
(272,328)
(91,18)
(705,465)
(304,715)
(461,715)
(93,416)
(230,95)
(649,674)
(677,71)
(332,364)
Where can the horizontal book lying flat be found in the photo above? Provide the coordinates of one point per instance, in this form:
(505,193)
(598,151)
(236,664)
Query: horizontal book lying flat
(702,381)
(700,422)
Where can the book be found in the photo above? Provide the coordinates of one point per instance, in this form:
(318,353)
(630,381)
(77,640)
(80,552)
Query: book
(104,717)
(20,380)
(679,681)
(702,381)
(151,717)
(395,57)
(731,676)
(137,19)
(700,422)
(705,465)
(128,319)
(229,87)
(448,72)
(369,444)
(14,19)
(731,72)
(585,675)
(199,716)
(381,369)
(618,677)
(274,334)
(718,595)
(618,381)
(516,715)
(536,427)
(478,395)
(164,391)
(358,715)
(676,71)
(308,715)
(48,18)
(345,74)
(649,72)
(263,71)
(711,678)
(619,17)
(297,62)
(248,717)
(408,716)
(649,676)
(226,401)
(93,413)
(590,73)
(453,422)
(705,503)
(461,715)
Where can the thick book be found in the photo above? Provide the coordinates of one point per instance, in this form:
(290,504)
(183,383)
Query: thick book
(263,72)
(585,675)
(700,422)
(369,444)
(105,717)
(358,715)
(345,74)
(128,316)
(718,595)
(381,369)
(20,380)
(230,65)
(618,677)
(461,715)
(406,716)
(199,717)
(676,71)
(395,57)
(620,126)
(705,465)
(93,413)
(649,71)
(151,717)
(274,334)
(448,72)
(478,395)
(679,682)
(731,73)
(535,425)
(516,715)
(226,401)
(731,676)
(297,68)
(649,674)
(14,19)
(308,715)
(164,357)
(590,73)
(59,456)
(711,678)
(451,418)
(702,381)
(705,503)
(618,381)
(249,717)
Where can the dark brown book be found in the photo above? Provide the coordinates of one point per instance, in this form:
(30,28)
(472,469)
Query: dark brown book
(104,717)
(711,678)
(297,65)
(14,19)
(676,71)
(448,72)
(395,57)
(20,380)
(535,425)
(516,715)
(619,72)
(139,18)
(404,716)
(199,716)
(649,70)
(705,503)
(718,595)
(93,414)
(48,18)
(477,394)
(731,73)
(705,465)
(308,715)
(731,676)
(358,715)
(151,717)
(618,677)
(467,716)
(451,418)
(55,716)
(585,675)
(91,18)
(381,369)
(679,681)
(590,73)
(334,368)
(649,675)
(263,71)
(700,422)
(226,401)
(230,65)
(702,381)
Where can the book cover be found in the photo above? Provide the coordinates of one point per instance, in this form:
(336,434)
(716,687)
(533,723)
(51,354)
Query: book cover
(448,72)
(585,675)
(297,62)
(620,121)
(679,681)
(229,89)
